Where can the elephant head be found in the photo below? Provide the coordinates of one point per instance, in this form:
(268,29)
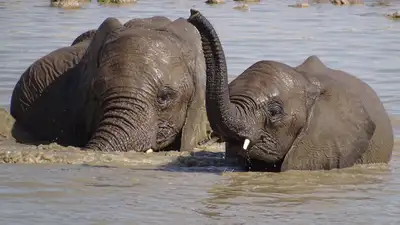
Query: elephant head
(143,87)
(149,23)
(276,118)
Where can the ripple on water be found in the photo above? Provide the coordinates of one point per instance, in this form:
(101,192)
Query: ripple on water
(129,188)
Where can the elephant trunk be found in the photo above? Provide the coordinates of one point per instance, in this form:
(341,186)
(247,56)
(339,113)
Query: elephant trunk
(119,128)
(224,116)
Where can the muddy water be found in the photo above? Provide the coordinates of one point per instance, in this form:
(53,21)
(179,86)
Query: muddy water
(55,185)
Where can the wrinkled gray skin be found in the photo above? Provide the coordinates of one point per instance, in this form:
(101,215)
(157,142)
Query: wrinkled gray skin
(308,117)
(42,98)
(121,88)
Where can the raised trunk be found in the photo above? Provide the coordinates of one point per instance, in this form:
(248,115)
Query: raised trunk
(225,118)
(123,127)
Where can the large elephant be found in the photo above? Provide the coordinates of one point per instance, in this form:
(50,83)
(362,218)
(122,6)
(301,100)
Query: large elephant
(308,117)
(119,88)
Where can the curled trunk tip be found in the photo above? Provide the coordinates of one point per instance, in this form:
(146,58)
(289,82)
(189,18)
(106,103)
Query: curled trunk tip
(194,13)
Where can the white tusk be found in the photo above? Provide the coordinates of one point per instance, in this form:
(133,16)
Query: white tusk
(246,144)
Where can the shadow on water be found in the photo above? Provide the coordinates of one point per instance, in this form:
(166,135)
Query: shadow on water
(204,161)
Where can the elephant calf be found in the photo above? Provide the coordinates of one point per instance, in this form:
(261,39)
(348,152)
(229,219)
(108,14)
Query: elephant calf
(119,88)
(309,117)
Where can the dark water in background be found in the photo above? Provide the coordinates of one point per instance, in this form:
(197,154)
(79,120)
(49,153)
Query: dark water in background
(357,39)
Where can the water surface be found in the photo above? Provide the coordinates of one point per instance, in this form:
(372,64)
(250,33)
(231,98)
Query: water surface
(71,187)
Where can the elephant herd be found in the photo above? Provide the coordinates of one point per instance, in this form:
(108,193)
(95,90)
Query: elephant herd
(153,83)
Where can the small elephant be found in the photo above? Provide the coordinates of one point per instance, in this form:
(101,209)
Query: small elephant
(275,117)
(119,88)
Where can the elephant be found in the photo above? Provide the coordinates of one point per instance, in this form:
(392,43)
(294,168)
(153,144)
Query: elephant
(68,3)
(118,88)
(274,117)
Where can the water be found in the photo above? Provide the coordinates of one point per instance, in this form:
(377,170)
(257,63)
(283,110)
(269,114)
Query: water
(79,188)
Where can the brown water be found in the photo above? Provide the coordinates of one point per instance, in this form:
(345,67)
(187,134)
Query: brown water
(55,185)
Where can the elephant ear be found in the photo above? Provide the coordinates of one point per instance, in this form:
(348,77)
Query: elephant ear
(89,66)
(196,123)
(337,131)
(84,36)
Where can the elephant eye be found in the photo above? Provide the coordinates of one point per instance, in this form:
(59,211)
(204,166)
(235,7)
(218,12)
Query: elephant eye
(275,110)
(165,96)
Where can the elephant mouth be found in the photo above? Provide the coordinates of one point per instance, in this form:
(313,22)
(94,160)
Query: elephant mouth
(262,152)
(265,150)
(166,134)
(260,157)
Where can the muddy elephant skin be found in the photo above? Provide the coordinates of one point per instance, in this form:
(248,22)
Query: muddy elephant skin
(275,117)
(127,87)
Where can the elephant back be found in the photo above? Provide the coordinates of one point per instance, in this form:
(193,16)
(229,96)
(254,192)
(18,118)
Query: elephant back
(148,23)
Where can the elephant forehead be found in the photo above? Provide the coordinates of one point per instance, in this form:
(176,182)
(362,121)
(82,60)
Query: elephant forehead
(273,73)
(268,80)
(258,90)
(156,55)
(265,80)
(146,50)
